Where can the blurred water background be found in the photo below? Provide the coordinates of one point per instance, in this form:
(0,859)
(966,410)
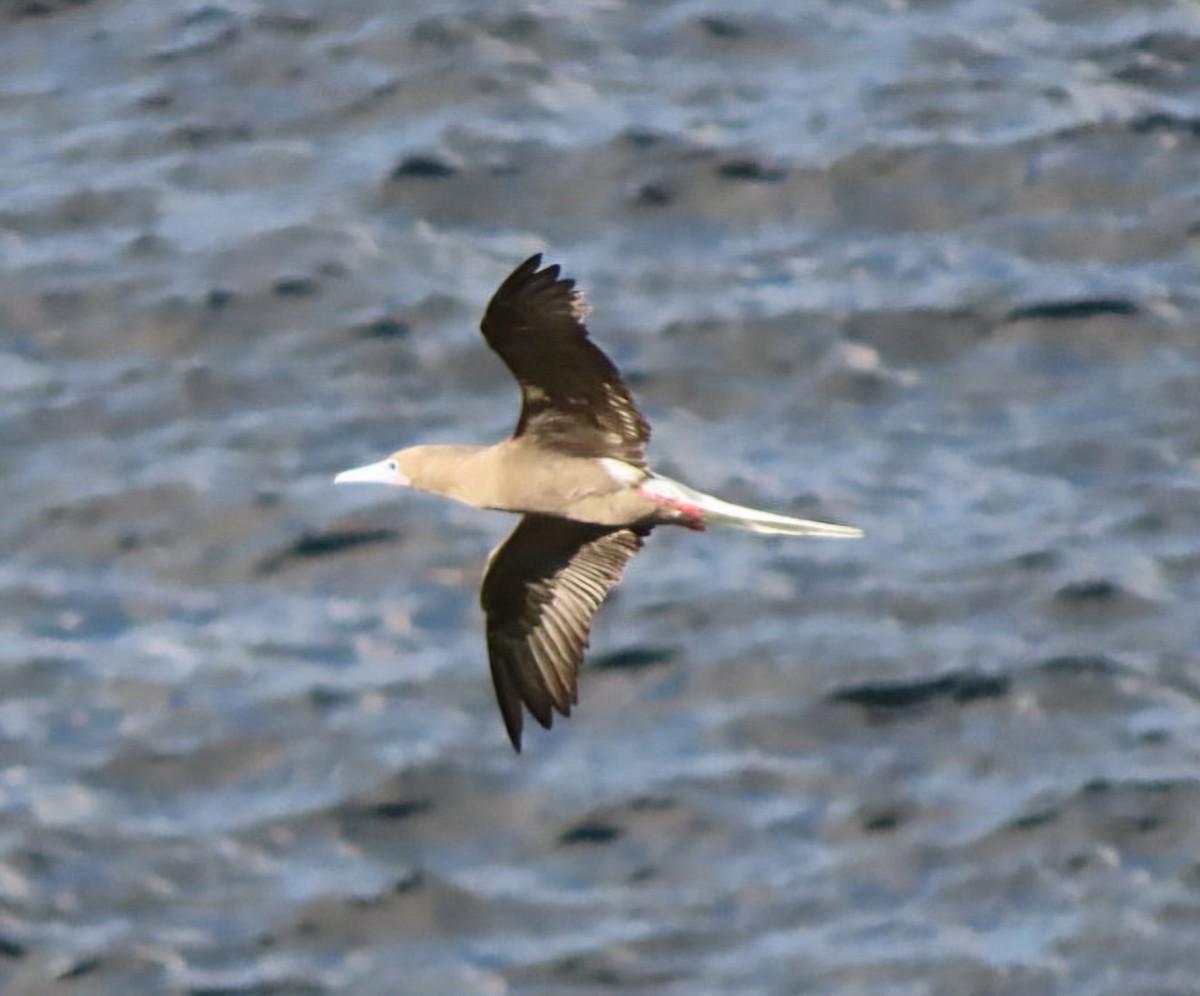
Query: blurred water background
(927,267)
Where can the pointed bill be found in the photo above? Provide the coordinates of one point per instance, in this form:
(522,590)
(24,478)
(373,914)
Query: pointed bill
(383,472)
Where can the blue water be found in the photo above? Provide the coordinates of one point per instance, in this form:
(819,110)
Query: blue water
(926,268)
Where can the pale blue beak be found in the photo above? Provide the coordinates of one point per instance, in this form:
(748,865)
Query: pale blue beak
(383,472)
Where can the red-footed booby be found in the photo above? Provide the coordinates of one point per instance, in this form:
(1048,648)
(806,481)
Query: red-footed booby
(575,469)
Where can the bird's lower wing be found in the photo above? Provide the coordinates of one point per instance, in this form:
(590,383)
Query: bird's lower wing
(541,588)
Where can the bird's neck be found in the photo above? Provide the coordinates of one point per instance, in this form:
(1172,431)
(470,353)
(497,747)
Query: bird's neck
(464,473)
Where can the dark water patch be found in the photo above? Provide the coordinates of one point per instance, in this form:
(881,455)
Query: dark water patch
(1098,600)
(219,298)
(311,546)
(80,968)
(1038,560)
(960,687)
(653,195)
(1084,684)
(722,27)
(751,171)
(384,327)
(1164,121)
(1166,62)
(651,803)
(1095,665)
(410,881)
(401,809)
(589,832)
(442,31)
(632,659)
(293,986)
(295,287)
(623,175)
(1035,820)
(1081,308)
(1087,684)
(729,38)
(641,830)
(604,971)
(1154,738)
(17,9)
(521,28)
(1127,812)
(884,820)
(1170,509)
(645,138)
(326,698)
(148,246)
(288,22)
(202,135)
(422,167)
(1119,811)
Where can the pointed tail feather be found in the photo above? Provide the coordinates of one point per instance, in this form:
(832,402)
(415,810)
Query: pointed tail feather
(726,513)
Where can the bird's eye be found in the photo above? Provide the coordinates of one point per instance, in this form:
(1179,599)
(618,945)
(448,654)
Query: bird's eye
(393,466)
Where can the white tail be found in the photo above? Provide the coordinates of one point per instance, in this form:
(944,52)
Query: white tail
(740,517)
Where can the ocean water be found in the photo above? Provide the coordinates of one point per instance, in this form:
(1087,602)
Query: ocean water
(924,267)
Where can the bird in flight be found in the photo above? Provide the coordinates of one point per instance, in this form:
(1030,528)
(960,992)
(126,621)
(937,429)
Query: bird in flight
(574,468)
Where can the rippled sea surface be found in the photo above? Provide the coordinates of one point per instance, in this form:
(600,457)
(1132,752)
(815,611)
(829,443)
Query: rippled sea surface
(925,267)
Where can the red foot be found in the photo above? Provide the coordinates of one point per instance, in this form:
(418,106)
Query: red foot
(693,514)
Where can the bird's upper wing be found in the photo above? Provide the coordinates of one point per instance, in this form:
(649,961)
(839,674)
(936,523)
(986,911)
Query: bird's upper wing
(572,397)
(541,588)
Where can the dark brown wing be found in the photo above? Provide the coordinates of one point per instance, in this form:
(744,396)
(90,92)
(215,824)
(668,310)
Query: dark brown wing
(541,588)
(572,397)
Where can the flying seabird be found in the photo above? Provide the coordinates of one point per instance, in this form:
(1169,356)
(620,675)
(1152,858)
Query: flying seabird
(575,469)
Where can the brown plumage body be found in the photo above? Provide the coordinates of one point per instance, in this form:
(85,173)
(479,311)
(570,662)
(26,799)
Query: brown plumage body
(516,476)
